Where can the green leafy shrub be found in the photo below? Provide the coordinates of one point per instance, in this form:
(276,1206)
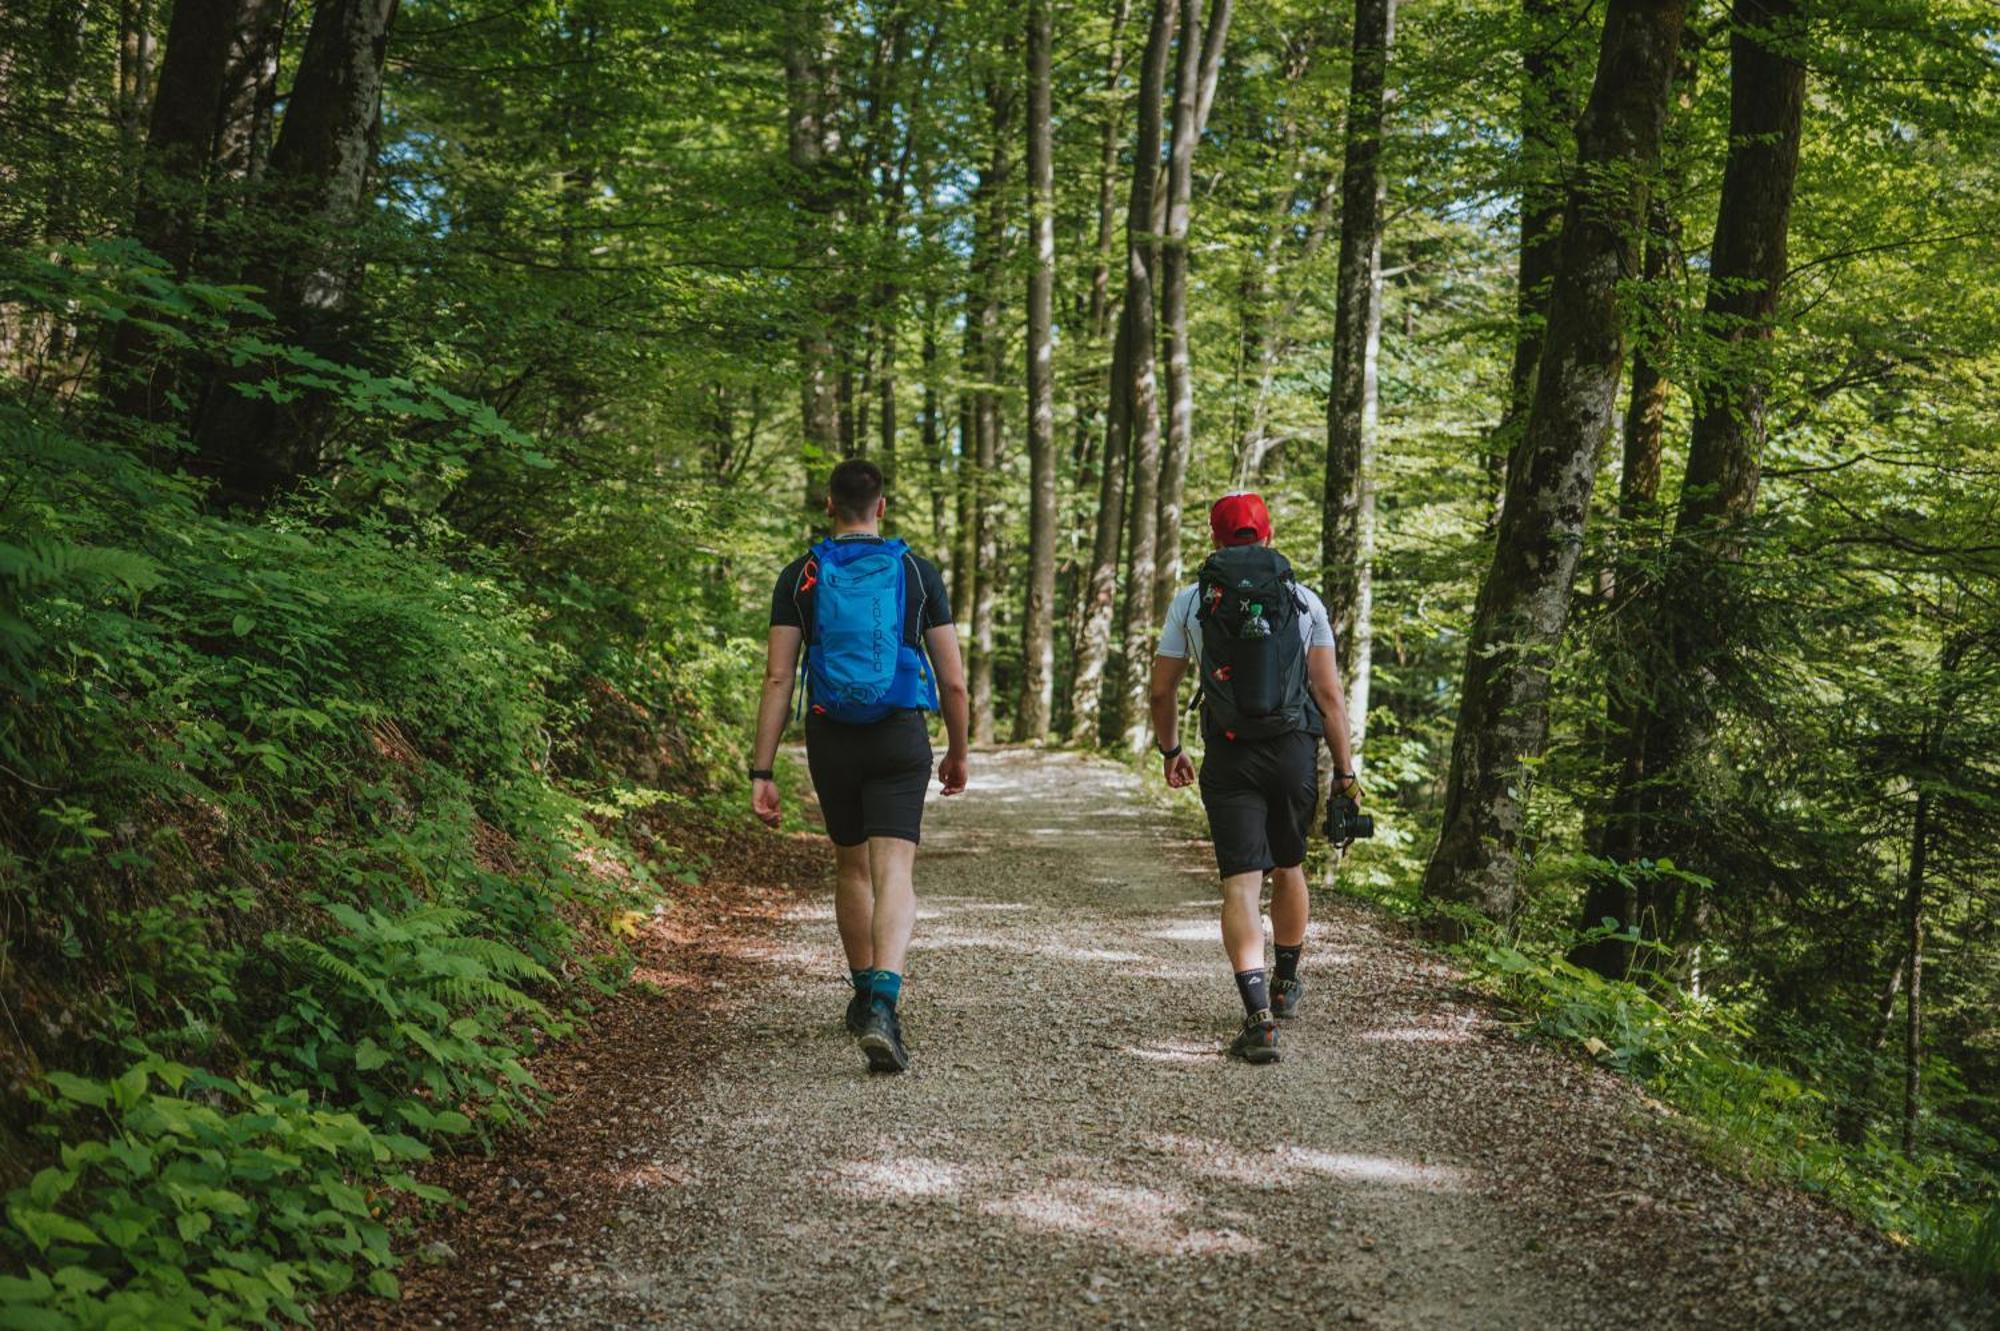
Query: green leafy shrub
(183,1198)
(409,1013)
(290,884)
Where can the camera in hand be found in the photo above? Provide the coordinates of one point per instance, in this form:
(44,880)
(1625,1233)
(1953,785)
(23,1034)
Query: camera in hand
(1345,822)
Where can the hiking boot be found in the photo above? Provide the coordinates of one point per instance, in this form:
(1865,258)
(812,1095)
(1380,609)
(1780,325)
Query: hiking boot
(1285,996)
(1257,1042)
(857,1014)
(882,1039)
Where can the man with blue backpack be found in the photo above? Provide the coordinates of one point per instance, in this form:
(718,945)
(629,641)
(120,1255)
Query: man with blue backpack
(1269,690)
(879,651)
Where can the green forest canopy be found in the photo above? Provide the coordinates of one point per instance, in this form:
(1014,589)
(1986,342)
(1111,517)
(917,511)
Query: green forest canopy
(407,406)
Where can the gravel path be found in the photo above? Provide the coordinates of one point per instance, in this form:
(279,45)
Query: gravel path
(1072,1149)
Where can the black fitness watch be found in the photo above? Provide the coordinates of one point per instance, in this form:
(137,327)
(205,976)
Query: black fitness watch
(761,774)
(1171,754)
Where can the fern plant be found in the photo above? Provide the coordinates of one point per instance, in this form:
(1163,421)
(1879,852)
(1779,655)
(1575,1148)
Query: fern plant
(413,1013)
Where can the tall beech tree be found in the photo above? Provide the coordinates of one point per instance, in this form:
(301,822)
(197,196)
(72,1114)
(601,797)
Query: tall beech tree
(1690,607)
(1524,599)
(1347,521)
(813,146)
(1097,577)
(1550,46)
(1199,66)
(1132,424)
(1031,719)
(1631,686)
(1142,388)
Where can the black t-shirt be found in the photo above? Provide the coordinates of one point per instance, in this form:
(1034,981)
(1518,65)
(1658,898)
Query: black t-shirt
(929,606)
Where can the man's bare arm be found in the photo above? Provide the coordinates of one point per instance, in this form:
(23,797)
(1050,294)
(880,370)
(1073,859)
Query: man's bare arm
(1163,697)
(953,701)
(1323,679)
(781,659)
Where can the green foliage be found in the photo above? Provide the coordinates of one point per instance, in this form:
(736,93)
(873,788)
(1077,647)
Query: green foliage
(289,871)
(409,1013)
(183,1198)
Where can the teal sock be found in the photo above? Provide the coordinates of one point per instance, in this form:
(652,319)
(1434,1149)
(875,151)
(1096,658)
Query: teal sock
(888,986)
(863,980)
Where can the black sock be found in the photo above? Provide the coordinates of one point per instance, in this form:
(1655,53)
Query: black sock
(1255,990)
(1288,960)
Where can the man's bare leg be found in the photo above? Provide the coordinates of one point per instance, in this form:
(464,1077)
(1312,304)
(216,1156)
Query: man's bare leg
(891,864)
(890,861)
(854,906)
(1243,921)
(1291,906)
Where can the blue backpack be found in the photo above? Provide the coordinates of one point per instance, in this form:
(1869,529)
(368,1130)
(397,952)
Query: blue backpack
(858,665)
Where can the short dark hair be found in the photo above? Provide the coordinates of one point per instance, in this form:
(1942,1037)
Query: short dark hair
(854,487)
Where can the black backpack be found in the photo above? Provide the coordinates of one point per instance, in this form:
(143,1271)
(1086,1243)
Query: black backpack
(1253,657)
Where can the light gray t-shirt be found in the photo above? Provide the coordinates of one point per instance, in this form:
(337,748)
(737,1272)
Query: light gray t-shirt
(1180,637)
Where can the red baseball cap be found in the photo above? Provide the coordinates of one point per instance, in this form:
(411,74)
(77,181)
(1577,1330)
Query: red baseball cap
(1240,519)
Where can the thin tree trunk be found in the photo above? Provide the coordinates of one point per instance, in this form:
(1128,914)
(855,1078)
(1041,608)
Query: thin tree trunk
(1031,717)
(933,435)
(813,144)
(1200,66)
(990,368)
(1100,592)
(1135,621)
(1548,115)
(1913,940)
(1097,317)
(965,529)
(1347,539)
(1107,177)
(1524,598)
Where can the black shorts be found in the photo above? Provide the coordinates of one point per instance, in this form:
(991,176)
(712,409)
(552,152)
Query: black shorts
(1260,796)
(871,779)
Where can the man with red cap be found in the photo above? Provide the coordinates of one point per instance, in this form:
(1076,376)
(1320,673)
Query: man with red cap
(1269,689)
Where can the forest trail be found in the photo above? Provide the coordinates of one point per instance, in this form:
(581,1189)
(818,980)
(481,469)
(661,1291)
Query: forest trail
(1072,1148)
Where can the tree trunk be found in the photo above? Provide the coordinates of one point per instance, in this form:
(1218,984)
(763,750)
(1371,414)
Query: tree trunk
(933,434)
(1200,65)
(965,529)
(1031,717)
(317,186)
(813,143)
(1347,539)
(990,367)
(135,68)
(250,91)
(1631,691)
(173,182)
(1548,118)
(1747,263)
(1524,599)
(1107,177)
(1142,389)
(1913,940)
(1100,590)
(1097,316)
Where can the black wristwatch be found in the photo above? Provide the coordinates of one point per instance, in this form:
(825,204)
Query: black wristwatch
(761,774)
(1171,754)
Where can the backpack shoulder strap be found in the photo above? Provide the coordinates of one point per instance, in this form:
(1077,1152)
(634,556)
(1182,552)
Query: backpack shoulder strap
(914,575)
